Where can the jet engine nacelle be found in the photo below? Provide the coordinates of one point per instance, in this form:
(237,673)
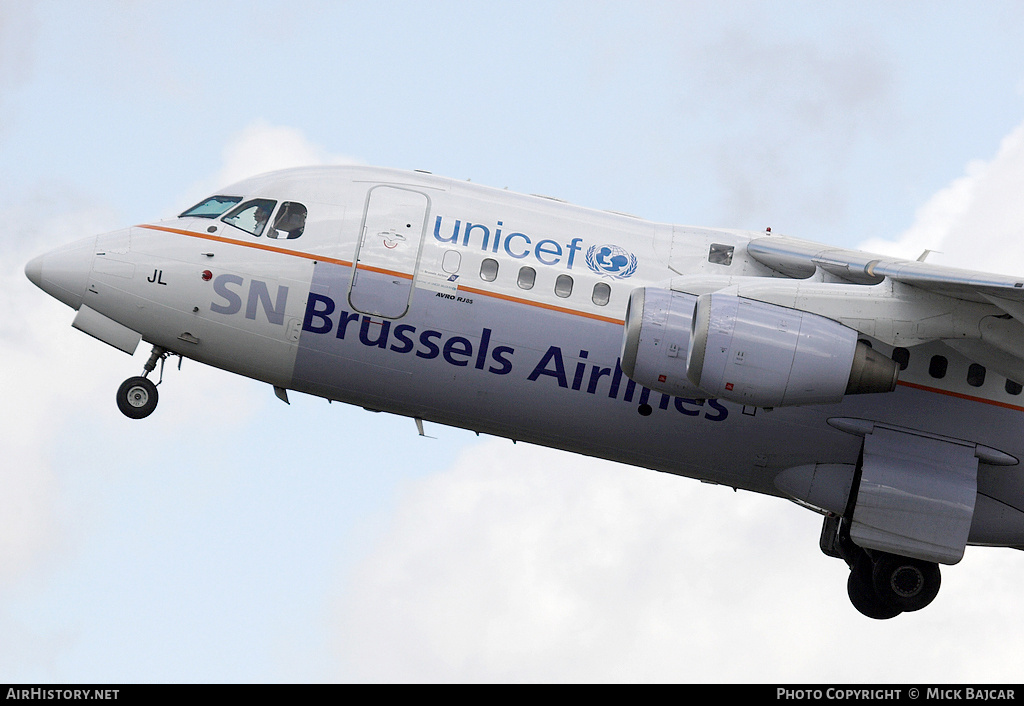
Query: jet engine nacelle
(657,341)
(766,355)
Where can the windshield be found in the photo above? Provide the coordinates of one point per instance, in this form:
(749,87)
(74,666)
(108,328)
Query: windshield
(211,207)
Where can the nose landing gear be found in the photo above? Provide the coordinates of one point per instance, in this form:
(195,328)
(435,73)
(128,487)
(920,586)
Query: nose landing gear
(137,397)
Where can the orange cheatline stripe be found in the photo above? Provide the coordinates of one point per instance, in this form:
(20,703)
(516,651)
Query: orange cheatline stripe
(255,246)
(379,270)
(348,263)
(540,305)
(962,396)
(517,300)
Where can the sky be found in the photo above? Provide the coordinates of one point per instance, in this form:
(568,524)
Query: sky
(231,538)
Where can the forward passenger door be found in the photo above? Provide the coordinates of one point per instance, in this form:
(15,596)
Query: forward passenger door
(388,250)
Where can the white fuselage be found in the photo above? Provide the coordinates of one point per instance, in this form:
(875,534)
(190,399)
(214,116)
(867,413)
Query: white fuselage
(503,314)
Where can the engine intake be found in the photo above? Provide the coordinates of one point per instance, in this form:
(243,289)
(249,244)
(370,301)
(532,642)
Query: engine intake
(657,341)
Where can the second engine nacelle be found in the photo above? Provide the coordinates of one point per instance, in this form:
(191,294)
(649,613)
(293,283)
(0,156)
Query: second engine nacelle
(766,355)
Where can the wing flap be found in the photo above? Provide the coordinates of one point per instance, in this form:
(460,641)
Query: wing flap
(916,496)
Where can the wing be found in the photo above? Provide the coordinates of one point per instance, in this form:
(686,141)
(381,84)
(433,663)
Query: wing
(900,302)
(801,258)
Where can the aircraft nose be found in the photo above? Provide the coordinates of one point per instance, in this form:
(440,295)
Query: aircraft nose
(34,271)
(64,273)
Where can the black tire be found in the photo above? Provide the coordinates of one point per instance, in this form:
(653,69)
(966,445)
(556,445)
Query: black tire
(905,583)
(862,592)
(137,397)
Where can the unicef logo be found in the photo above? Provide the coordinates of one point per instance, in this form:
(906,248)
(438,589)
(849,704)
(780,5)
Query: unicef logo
(611,260)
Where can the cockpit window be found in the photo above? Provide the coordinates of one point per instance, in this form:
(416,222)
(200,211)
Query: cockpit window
(251,216)
(290,221)
(211,207)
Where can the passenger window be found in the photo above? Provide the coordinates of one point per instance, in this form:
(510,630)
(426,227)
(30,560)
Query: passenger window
(290,221)
(902,357)
(489,270)
(976,375)
(450,261)
(1013,388)
(563,286)
(720,254)
(527,277)
(937,366)
(602,293)
(251,216)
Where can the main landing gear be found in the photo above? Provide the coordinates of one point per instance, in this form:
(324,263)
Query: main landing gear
(881,585)
(137,396)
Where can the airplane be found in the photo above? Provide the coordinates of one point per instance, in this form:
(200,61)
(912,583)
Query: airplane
(881,393)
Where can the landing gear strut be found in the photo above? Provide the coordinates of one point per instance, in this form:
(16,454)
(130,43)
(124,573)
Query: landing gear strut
(137,396)
(881,585)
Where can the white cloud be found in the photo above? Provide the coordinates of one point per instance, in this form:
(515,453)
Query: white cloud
(53,374)
(57,381)
(261,147)
(48,371)
(976,222)
(525,564)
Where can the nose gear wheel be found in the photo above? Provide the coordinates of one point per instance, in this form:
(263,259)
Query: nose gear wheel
(137,397)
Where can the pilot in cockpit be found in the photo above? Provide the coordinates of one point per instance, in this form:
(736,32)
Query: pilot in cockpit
(290,222)
(260,216)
